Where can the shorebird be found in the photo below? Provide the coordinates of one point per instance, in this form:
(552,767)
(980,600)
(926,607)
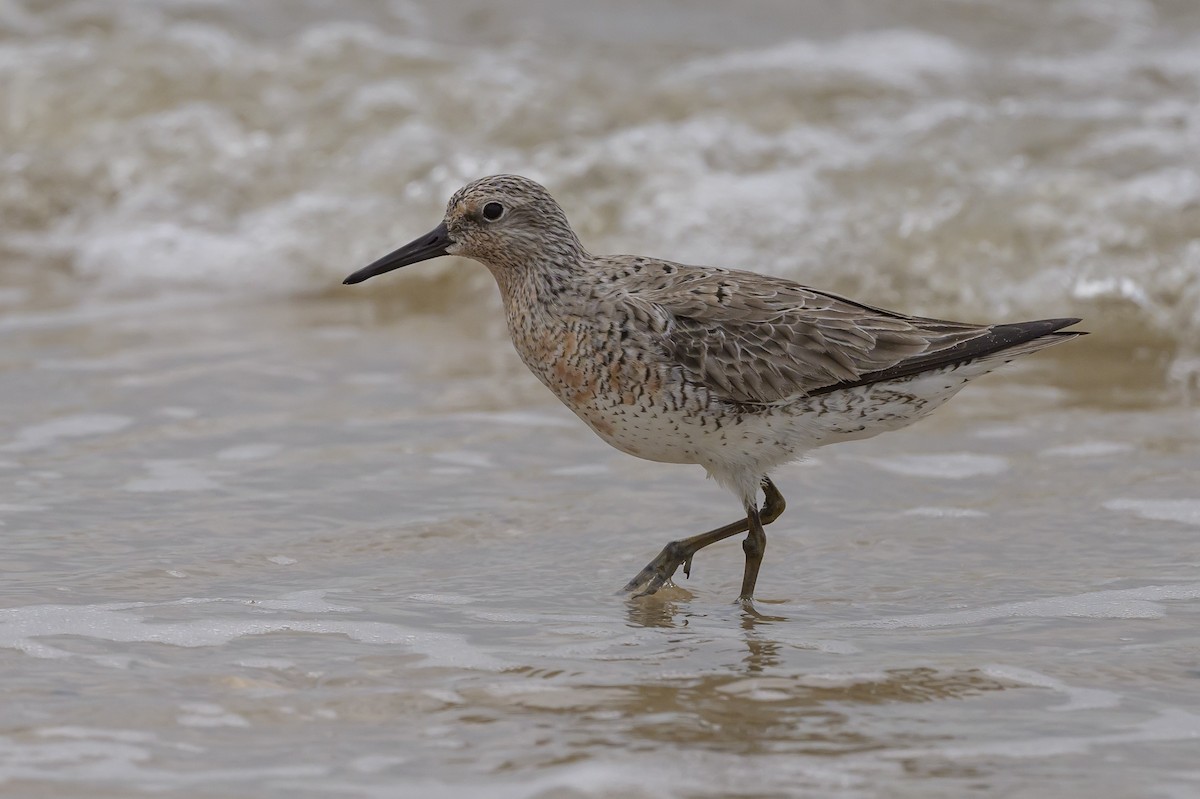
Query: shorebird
(735,371)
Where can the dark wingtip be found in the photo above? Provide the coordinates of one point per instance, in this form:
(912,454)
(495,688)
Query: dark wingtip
(1070,322)
(1017,332)
(997,338)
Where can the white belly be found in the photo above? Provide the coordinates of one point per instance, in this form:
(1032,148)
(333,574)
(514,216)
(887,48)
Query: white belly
(710,432)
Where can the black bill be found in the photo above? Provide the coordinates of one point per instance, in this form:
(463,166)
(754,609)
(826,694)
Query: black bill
(431,245)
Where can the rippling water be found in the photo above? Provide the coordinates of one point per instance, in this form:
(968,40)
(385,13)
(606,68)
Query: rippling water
(266,535)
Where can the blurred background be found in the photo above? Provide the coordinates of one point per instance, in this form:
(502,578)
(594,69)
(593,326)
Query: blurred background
(970,159)
(264,534)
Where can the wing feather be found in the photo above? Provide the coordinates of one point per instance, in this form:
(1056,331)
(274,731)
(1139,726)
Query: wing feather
(761,339)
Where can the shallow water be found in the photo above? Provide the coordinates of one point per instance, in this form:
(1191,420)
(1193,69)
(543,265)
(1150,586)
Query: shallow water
(264,535)
(292,549)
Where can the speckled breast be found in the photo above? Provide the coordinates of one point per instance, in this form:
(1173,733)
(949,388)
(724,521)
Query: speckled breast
(631,400)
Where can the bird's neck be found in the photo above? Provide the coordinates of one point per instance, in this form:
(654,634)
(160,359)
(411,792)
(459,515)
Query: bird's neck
(541,283)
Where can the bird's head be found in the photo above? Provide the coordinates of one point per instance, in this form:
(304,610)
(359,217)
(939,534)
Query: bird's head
(506,222)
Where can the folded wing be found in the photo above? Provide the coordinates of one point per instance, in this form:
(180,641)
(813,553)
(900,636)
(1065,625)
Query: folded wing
(759,339)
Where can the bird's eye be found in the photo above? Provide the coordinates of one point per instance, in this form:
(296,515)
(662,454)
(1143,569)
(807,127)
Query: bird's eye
(492,211)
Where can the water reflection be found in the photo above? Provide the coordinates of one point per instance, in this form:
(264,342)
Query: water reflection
(662,609)
(800,714)
(670,608)
(762,653)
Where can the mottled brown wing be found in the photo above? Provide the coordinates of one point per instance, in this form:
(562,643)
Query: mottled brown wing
(760,339)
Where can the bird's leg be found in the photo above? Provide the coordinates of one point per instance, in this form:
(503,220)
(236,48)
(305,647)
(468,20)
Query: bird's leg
(756,543)
(754,546)
(676,554)
(773,506)
(680,553)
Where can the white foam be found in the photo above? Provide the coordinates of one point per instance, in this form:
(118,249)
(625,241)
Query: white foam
(1087,449)
(93,313)
(110,758)
(945,466)
(124,361)
(1172,724)
(43,435)
(1128,603)
(1077,698)
(370,379)
(9,507)
(171,475)
(516,418)
(760,689)
(461,458)
(87,760)
(445,695)
(376,764)
(249,452)
(191,193)
(175,412)
(843,679)
(649,773)
(945,513)
(581,470)
(831,645)
(442,599)
(205,714)
(896,59)
(1184,511)
(1125,288)
(93,733)
(11,295)
(182,253)
(273,664)
(1002,431)
(310,601)
(22,627)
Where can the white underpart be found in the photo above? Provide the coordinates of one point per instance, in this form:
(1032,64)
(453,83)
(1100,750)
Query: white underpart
(739,459)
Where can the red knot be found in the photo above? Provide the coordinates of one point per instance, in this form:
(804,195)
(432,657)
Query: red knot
(735,371)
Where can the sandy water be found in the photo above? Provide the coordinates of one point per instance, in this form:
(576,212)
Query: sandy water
(273,551)
(267,536)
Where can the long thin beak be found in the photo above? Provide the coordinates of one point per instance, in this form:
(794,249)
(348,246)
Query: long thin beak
(431,245)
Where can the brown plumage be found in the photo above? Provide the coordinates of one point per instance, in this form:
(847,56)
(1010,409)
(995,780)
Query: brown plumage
(736,371)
